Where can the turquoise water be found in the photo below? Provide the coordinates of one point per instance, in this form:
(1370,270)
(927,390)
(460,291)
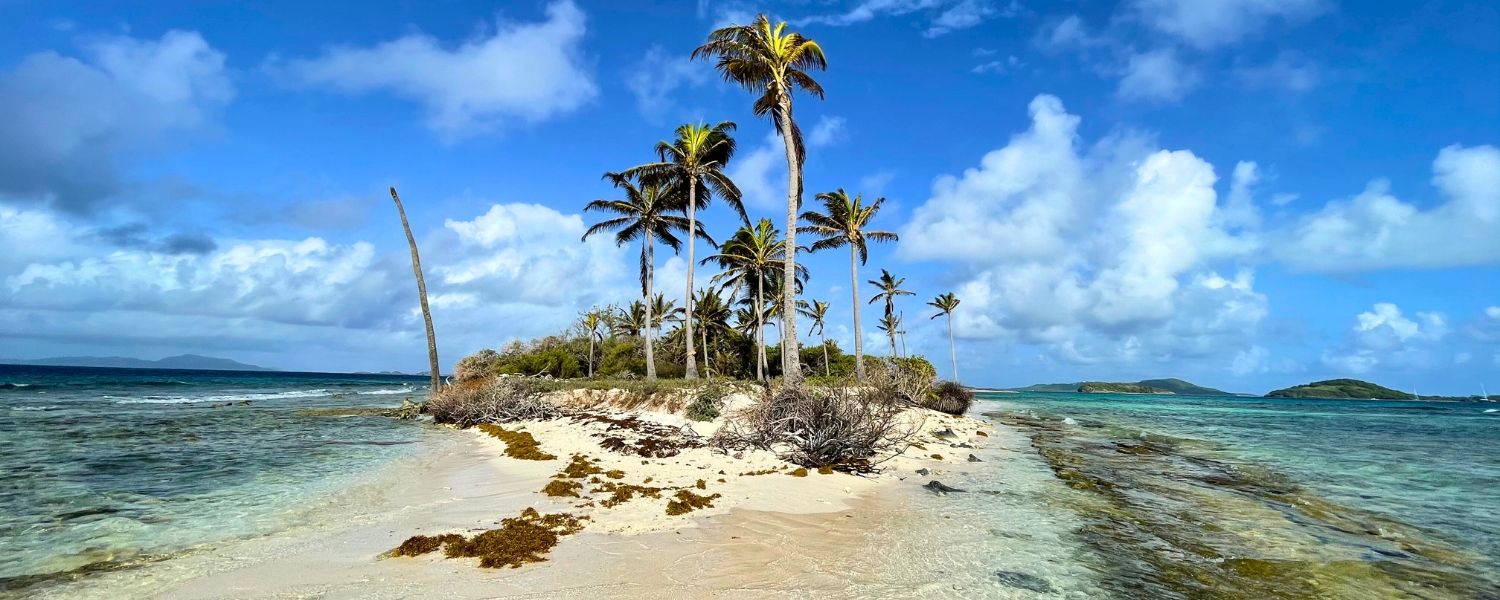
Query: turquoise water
(1370,498)
(106,468)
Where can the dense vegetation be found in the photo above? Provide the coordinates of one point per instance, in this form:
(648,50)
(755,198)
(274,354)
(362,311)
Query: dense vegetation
(1100,387)
(1341,388)
(1146,386)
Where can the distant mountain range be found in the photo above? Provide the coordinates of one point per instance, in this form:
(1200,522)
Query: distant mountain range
(183,361)
(1145,386)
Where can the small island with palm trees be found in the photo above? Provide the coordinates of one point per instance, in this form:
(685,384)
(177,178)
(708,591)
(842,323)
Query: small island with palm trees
(695,402)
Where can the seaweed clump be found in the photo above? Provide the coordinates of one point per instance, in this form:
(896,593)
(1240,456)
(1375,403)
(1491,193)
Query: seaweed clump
(620,493)
(579,467)
(687,502)
(825,470)
(519,540)
(799,472)
(559,488)
(518,444)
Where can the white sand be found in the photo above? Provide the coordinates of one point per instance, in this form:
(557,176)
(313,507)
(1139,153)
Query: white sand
(744,545)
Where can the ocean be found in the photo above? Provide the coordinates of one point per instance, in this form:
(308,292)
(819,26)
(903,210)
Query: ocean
(103,469)
(1082,495)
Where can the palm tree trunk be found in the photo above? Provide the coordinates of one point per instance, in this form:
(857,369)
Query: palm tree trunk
(859,352)
(692,365)
(952,354)
(824,336)
(760,332)
(591,354)
(416,269)
(650,273)
(704,332)
(791,357)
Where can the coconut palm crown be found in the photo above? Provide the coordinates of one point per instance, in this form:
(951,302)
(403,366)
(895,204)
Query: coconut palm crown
(890,288)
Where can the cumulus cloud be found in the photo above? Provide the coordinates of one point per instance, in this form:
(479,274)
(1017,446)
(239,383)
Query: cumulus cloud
(1384,337)
(1212,23)
(756,171)
(1376,230)
(519,73)
(1101,254)
(1158,75)
(72,121)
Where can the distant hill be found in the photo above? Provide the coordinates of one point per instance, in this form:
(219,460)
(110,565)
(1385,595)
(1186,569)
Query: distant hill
(183,361)
(1160,386)
(1341,388)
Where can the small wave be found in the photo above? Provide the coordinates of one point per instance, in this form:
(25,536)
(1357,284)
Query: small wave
(35,408)
(223,397)
(389,392)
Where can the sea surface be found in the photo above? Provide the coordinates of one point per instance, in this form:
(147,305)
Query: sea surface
(1239,497)
(103,469)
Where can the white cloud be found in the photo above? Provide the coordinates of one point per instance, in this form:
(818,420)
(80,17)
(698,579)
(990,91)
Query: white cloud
(1375,230)
(659,77)
(70,122)
(997,66)
(1384,337)
(1101,255)
(1158,75)
(758,173)
(944,16)
(521,72)
(1213,23)
(1486,326)
(1287,72)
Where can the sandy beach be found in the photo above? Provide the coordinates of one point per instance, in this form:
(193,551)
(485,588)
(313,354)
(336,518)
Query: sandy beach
(769,532)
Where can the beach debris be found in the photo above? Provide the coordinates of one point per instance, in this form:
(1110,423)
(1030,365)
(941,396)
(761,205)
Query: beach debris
(521,539)
(799,472)
(1025,581)
(937,487)
(518,444)
(973,458)
(687,502)
(647,439)
(621,493)
(558,488)
(579,467)
(923,471)
(937,457)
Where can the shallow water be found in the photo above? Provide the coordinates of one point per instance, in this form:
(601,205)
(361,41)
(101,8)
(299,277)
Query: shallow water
(102,469)
(1197,497)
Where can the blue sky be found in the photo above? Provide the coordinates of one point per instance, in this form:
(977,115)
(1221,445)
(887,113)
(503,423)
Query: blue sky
(1244,193)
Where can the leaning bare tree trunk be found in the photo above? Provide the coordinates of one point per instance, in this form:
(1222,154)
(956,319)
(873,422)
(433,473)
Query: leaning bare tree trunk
(416,269)
(952,355)
(791,356)
(650,274)
(692,365)
(859,352)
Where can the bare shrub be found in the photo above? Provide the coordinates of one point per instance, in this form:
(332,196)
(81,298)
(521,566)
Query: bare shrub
(498,400)
(840,426)
(949,397)
(897,383)
(478,365)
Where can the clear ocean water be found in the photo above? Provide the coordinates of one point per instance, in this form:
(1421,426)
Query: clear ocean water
(106,468)
(1183,496)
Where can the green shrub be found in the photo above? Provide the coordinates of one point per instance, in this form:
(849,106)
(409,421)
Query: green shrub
(708,403)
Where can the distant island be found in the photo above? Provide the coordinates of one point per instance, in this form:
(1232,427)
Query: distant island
(181,361)
(1145,386)
(1341,388)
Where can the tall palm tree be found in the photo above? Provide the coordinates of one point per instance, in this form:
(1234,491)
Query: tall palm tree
(416,269)
(945,303)
(748,258)
(844,223)
(890,288)
(592,321)
(817,312)
(891,325)
(695,161)
(769,61)
(644,214)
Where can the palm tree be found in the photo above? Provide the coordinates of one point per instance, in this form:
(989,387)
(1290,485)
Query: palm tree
(891,325)
(774,307)
(747,259)
(416,269)
(769,61)
(945,303)
(631,320)
(664,311)
(842,224)
(890,288)
(592,320)
(696,161)
(817,312)
(711,316)
(644,215)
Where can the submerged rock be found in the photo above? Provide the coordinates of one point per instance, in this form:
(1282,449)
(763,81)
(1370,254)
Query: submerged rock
(937,487)
(973,458)
(1025,581)
(923,471)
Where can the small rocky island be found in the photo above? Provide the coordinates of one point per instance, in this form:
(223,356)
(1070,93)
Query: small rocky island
(1341,389)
